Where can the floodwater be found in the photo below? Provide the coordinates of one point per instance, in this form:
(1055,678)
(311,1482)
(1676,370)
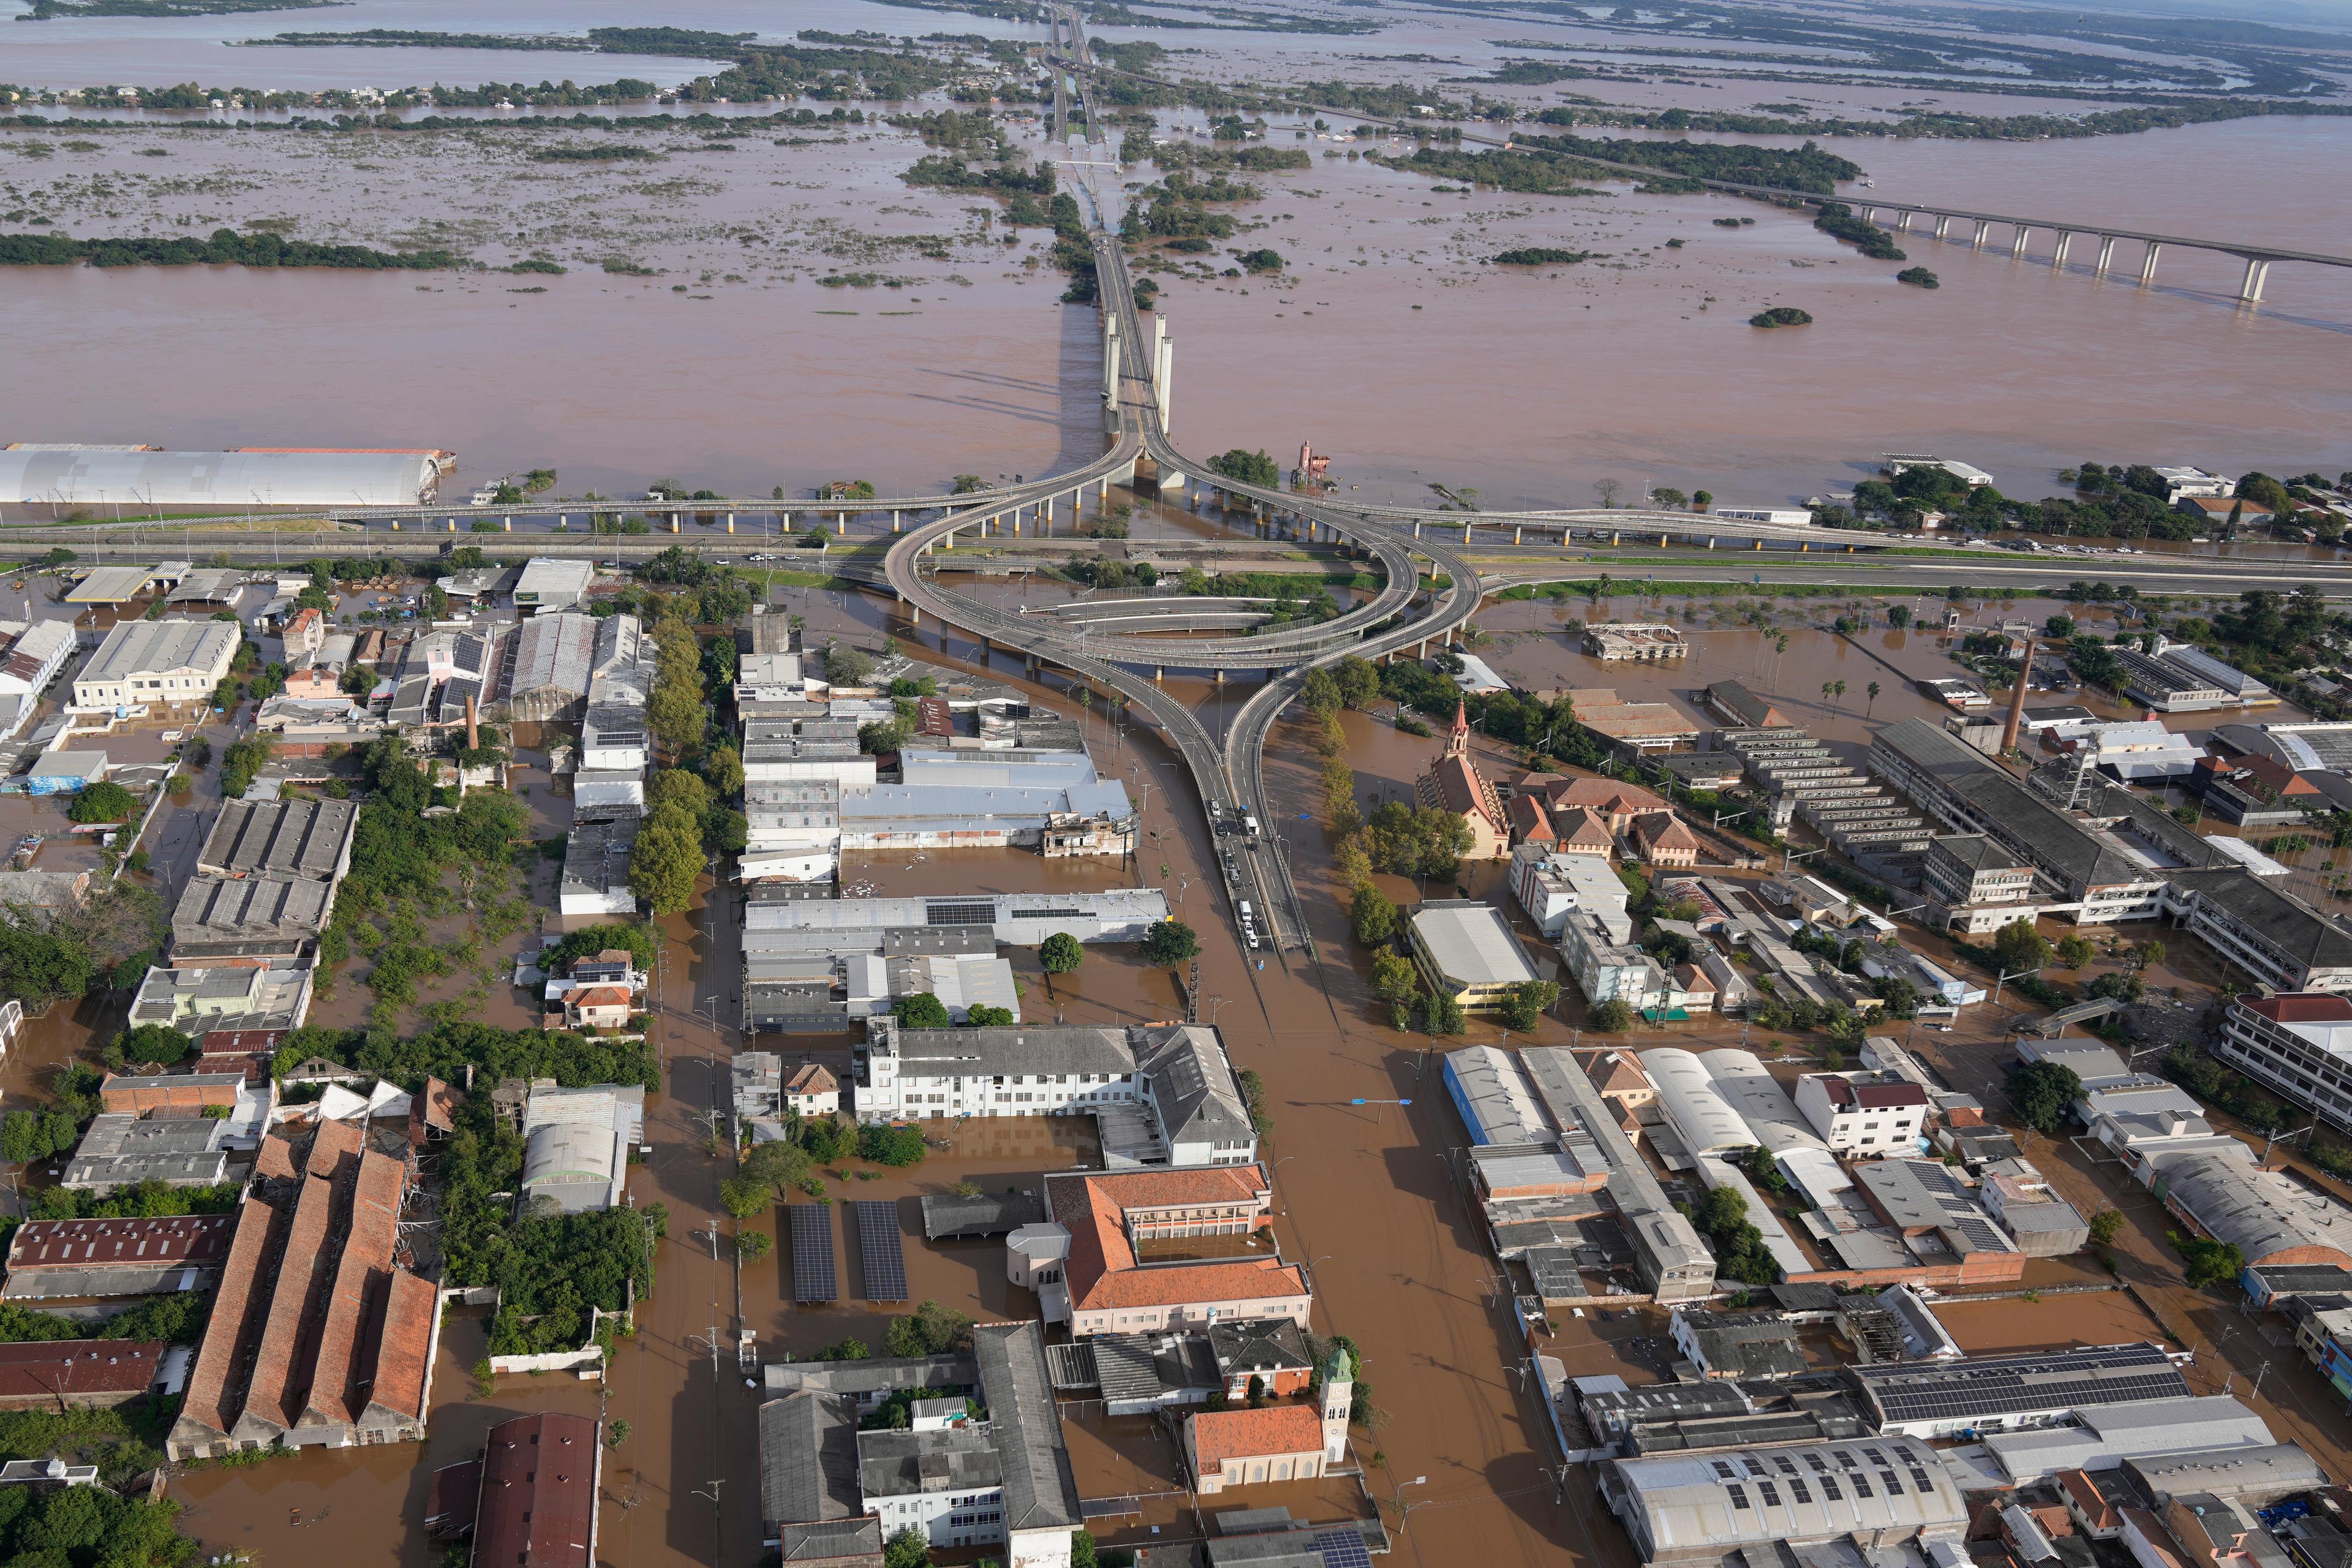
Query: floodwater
(1403,354)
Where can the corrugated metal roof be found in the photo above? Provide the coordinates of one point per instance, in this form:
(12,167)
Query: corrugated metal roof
(136,478)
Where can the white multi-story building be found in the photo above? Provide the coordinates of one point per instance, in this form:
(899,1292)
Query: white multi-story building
(1549,885)
(160,663)
(1864,1114)
(31,655)
(2299,1045)
(1606,969)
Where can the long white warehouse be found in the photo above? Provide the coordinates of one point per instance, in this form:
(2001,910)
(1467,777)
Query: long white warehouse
(142,477)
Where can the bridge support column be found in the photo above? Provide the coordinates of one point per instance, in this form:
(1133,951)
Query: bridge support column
(1983,228)
(1760,543)
(1420,648)
(2148,262)
(1159,672)
(1943,224)
(1869,214)
(1804,546)
(1517,531)
(2058,256)
(509,522)
(2258,272)
(894,520)
(395,525)
(2106,255)
(730,522)
(2017,240)
(1416,528)
(1616,539)
(1662,541)
(1221,678)
(1465,535)
(453,526)
(1710,542)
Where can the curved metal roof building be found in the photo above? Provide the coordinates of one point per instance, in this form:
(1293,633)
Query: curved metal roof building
(1749,1088)
(143,477)
(1685,1507)
(1701,1117)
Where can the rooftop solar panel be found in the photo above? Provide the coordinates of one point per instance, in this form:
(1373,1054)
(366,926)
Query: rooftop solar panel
(1990,1385)
(812,1272)
(1342,1549)
(880,1257)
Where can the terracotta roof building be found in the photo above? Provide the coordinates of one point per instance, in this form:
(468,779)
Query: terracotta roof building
(1209,1217)
(53,1261)
(1454,783)
(1663,840)
(1530,822)
(1276,1443)
(317,1334)
(1580,830)
(1616,804)
(81,1375)
(537,1506)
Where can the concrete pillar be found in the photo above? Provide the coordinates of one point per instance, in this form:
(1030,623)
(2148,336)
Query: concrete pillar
(1616,539)
(1159,672)
(2148,262)
(395,525)
(1517,531)
(1869,214)
(730,522)
(894,520)
(1420,648)
(2017,240)
(453,526)
(2258,271)
(2106,255)
(509,522)
(1221,678)
(1983,228)
(1804,547)
(1465,535)
(1662,541)
(2058,256)
(951,539)
(1760,543)
(1416,528)
(1710,542)
(1943,224)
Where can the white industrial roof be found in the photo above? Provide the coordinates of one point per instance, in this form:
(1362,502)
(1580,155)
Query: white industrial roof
(2261,1213)
(2110,1434)
(149,479)
(109,585)
(1687,1500)
(1470,943)
(1687,1093)
(556,581)
(1749,1088)
(152,648)
(1777,1239)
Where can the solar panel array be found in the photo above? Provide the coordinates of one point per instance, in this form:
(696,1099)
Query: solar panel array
(1342,1549)
(880,1256)
(2000,1385)
(812,1272)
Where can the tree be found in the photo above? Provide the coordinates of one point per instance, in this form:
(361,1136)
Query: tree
(1898,616)
(723,767)
(2106,1225)
(1395,978)
(851,1349)
(1372,915)
(920,1011)
(898,1146)
(930,1329)
(910,1548)
(750,1246)
(1611,1018)
(2073,952)
(1060,953)
(1168,943)
(2147,954)
(1872,691)
(665,860)
(150,1043)
(1608,490)
(846,665)
(1440,1014)
(745,1198)
(1249,467)
(2017,946)
(1702,500)
(1528,1002)
(980,1015)
(1416,840)
(2209,1262)
(104,801)
(2042,1092)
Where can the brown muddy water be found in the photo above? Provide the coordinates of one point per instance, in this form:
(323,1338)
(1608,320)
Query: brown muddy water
(1391,343)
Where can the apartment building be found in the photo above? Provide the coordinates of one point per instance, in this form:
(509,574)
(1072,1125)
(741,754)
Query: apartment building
(1864,1114)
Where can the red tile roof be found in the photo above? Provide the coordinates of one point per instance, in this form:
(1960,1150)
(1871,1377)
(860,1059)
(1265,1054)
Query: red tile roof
(66,1369)
(1873,1096)
(1605,796)
(1530,822)
(539,1493)
(87,1243)
(1277,1429)
(1659,830)
(359,1282)
(404,1352)
(2300,1007)
(813,1078)
(1579,826)
(1102,1273)
(2097,1511)
(589,997)
(242,1290)
(1461,789)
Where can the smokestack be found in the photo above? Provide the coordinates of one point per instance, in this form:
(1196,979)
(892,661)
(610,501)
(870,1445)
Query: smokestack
(474,736)
(2016,699)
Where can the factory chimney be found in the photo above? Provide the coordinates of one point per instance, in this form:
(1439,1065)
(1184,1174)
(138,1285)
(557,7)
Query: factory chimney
(473,734)
(2016,699)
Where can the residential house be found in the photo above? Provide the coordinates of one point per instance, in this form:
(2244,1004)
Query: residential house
(1864,1114)
(305,632)
(1662,839)
(598,1007)
(31,655)
(812,1091)
(1530,824)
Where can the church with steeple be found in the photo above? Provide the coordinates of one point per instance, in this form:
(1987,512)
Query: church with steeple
(1455,783)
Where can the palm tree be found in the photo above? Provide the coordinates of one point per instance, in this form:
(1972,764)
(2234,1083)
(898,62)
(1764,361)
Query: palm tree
(1872,689)
(1827,687)
(1841,694)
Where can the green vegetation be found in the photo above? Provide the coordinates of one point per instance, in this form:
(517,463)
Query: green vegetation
(1919,276)
(1780,316)
(920,1011)
(898,1146)
(1801,169)
(1527,1002)
(104,801)
(1167,944)
(1249,467)
(639,939)
(598,153)
(226,246)
(1416,841)
(1837,220)
(1611,1018)
(1740,1252)
(1253,1096)
(1542,255)
(1259,261)
(2208,1262)
(2042,1093)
